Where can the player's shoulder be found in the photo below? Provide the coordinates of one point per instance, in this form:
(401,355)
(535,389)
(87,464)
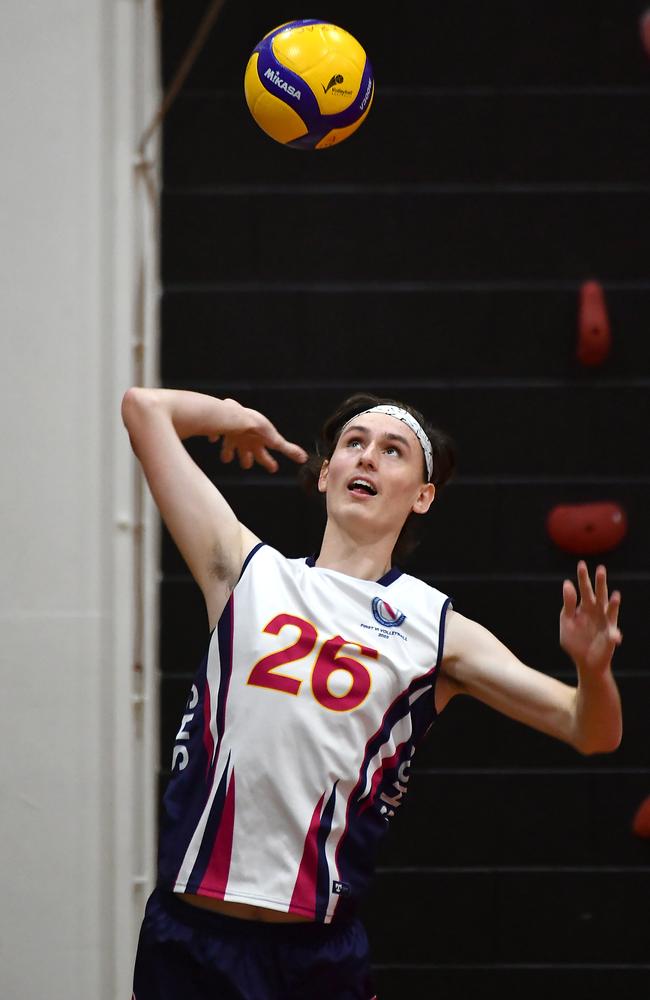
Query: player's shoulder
(260,556)
(420,589)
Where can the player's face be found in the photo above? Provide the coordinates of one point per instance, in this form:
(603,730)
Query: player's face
(375,477)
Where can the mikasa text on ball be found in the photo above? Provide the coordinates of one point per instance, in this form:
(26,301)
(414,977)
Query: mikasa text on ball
(309,84)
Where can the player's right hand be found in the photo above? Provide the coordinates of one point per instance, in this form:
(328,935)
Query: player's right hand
(251,437)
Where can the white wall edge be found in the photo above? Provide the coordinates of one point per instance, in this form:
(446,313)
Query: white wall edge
(133,79)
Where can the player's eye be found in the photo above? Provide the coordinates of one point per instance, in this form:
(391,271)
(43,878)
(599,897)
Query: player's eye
(390,448)
(353,441)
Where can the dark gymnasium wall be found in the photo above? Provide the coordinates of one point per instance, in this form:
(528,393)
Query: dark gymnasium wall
(437,255)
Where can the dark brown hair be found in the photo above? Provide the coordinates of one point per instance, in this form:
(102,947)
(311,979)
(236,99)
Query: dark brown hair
(442,446)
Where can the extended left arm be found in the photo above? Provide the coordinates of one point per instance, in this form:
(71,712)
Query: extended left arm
(588,717)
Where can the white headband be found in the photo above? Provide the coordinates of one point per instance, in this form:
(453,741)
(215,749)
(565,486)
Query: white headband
(410,421)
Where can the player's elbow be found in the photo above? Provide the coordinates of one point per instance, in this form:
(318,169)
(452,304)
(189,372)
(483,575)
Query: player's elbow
(135,401)
(602,742)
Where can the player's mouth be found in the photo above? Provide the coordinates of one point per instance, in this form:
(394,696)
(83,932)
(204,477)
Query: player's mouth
(362,487)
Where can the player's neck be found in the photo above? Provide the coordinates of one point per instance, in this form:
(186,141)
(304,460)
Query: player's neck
(364,560)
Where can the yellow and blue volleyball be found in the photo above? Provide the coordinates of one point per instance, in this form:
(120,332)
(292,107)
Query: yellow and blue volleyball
(309,84)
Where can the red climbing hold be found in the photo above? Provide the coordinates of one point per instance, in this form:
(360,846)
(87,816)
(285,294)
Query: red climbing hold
(644,30)
(641,821)
(594,336)
(587,528)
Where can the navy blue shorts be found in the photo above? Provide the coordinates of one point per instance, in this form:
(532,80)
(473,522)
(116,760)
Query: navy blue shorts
(186,953)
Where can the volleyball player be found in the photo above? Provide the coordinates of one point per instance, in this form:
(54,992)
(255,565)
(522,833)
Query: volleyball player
(321,677)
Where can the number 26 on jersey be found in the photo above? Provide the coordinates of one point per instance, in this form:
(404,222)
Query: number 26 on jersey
(339,683)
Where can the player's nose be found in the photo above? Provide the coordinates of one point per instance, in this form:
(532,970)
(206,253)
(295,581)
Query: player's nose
(368,455)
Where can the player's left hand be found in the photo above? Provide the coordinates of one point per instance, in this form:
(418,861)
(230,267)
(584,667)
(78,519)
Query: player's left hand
(589,631)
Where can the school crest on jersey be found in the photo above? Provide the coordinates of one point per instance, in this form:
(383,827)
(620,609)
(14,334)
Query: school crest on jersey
(386,615)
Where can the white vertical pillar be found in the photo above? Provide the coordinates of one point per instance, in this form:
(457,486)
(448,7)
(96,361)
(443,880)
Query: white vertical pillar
(135,521)
(76,779)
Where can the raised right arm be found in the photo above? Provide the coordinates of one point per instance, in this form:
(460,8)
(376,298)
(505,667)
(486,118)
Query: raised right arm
(211,539)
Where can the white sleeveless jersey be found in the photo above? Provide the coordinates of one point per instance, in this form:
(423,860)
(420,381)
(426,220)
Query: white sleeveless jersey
(296,742)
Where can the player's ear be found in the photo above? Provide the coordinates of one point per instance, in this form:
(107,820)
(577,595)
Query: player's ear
(424,498)
(322,478)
